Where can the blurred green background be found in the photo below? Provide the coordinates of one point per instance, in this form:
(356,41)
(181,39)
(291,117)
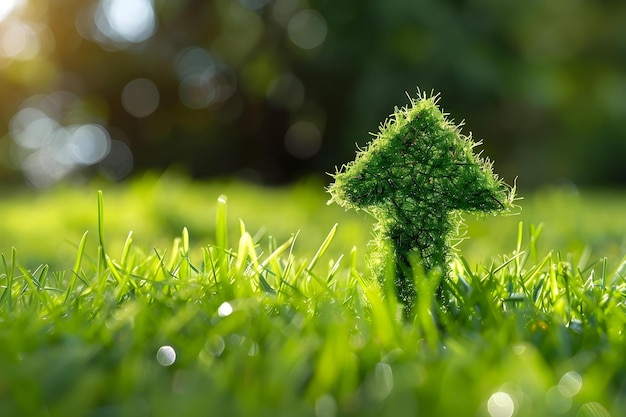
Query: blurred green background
(167,104)
(276,90)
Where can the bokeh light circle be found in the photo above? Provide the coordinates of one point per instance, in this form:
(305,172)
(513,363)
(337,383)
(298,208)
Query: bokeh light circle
(89,143)
(19,40)
(126,21)
(570,384)
(140,97)
(204,89)
(118,163)
(307,29)
(500,404)
(303,139)
(556,401)
(31,128)
(47,150)
(192,60)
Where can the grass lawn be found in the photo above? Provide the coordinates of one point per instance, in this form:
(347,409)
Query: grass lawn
(261,304)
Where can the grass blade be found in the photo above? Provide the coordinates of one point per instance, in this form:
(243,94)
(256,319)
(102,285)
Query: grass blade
(76,268)
(221,235)
(10,274)
(101,227)
(322,249)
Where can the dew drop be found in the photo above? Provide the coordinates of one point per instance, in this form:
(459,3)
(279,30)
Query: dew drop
(225,309)
(166,356)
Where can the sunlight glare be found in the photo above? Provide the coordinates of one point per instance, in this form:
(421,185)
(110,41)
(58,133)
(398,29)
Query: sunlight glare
(6,7)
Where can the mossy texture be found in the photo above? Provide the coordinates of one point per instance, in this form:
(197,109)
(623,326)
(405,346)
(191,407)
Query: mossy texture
(415,177)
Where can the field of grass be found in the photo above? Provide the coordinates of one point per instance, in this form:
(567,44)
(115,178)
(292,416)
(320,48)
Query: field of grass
(260,304)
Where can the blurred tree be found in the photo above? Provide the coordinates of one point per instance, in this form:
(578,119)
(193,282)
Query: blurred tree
(275,89)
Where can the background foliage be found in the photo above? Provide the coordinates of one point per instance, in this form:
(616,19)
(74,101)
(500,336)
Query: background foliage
(276,89)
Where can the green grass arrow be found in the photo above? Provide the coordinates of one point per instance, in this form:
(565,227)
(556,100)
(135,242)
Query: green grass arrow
(415,177)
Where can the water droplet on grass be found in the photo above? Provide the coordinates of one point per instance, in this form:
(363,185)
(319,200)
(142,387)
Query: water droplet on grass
(166,356)
(225,309)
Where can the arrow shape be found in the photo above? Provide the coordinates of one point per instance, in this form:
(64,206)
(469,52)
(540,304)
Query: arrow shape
(415,177)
